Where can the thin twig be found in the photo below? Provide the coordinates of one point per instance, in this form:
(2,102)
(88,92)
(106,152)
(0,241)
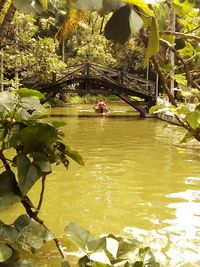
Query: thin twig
(183,35)
(185,65)
(193,30)
(41,194)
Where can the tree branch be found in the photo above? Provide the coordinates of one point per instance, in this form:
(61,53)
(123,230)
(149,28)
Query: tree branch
(193,29)
(184,62)
(163,81)
(4,161)
(41,194)
(160,72)
(183,35)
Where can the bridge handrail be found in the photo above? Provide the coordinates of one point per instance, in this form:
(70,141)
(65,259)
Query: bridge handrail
(128,82)
(140,89)
(82,66)
(135,77)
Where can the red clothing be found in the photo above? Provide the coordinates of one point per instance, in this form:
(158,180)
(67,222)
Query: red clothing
(101,104)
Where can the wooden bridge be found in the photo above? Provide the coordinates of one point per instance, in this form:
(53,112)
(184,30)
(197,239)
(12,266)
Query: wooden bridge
(93,79)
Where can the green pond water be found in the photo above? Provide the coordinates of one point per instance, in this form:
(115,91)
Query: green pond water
(138,181)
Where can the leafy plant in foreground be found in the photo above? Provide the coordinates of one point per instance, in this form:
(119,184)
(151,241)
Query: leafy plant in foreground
(35,146)
(109,250)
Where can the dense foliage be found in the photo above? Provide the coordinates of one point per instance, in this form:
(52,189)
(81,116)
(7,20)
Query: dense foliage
(30,161)
(25,53)
(88,45)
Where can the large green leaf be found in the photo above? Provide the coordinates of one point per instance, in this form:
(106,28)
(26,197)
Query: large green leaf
(42,162)
(7,233)
(25,92)
(100,259)
(78,235)
(188,51)
(153,42)
(22,114)
(127,249)
(32,176)
(21,222)
(74,155)
(135,22)
(23,164)
(147,257)
(182,9)
(9,190)
(31,103)
(7,102)
(180,78)
(13,136)
(96,245)
(142,5)
(32,235)
(193,118)
(38,137)
(5,252)
(117,28)
(28,173)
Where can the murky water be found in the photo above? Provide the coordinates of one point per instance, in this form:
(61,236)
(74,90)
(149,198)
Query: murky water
(138,181)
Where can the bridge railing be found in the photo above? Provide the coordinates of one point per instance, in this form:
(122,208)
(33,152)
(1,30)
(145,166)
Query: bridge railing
(125,79)
(112,76)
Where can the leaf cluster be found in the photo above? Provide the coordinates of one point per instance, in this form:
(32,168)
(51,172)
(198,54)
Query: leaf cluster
(35,146)
(109,250)
(24,232)
(34,58)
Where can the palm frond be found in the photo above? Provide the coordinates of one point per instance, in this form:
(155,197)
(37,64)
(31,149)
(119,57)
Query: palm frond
(70,24)
(4,7)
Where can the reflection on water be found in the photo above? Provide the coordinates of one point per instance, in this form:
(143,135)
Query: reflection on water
(138,181)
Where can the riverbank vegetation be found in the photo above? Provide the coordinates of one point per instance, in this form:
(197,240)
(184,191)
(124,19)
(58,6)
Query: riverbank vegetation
(160,41)
(84,99)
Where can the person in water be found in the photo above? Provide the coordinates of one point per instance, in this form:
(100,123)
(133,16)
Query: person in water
(101,105)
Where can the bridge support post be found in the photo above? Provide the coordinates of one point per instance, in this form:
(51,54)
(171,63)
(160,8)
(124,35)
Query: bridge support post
(121,77)
(87,69)
(135,104)
(54,77)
